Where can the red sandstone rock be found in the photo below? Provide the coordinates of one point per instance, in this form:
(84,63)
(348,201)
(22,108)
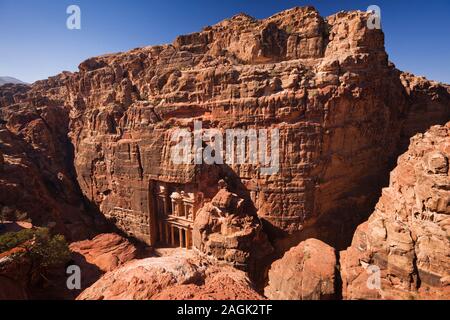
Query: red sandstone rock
(306,272)
(344,113)
(13,276)
(407,237)
(223,283)
(36,174)
(326,84)
(224,230)
(106,251)
(180,276)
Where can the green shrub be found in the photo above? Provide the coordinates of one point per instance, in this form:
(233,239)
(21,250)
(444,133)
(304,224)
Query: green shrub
(42,251)
(40,247)
(49,251)
(11,240)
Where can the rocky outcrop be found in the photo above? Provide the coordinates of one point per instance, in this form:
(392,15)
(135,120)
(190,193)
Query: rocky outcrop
(306,272)
(36,169)
(102,254)
(179,276)
(221,283)
(344,113)
(225,230)
(106,251)
(14,274)
(403,251)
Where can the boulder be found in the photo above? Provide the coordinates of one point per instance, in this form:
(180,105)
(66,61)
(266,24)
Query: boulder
(183,275)
(403,250)
(306,272)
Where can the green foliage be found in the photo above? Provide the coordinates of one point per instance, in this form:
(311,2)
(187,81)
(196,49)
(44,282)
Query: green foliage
(50,251)
(43,249)
(42,252)
(11,240)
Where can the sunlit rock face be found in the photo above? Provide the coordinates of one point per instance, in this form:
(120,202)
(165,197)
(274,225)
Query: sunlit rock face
(406,239)
(180,276)
(344,113)
(306,272)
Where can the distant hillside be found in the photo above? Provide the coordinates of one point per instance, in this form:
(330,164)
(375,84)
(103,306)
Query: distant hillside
(4,80)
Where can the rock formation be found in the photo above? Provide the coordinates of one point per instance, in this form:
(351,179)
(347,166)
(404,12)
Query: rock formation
(106,251)
(406,239)
(179,276)
(102,254)
(99,140)
(37,177)
(13,276)
(226,231)
(306,272)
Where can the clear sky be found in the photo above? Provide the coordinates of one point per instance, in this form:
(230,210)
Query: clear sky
(35,43)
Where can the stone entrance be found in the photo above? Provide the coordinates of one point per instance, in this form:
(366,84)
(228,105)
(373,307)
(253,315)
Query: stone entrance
(175,208)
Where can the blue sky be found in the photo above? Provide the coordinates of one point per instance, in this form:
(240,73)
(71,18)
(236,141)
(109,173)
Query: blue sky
(35,42)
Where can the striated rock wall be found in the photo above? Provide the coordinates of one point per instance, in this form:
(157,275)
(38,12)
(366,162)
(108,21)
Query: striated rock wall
(184,276)
(407,237)
(343,111)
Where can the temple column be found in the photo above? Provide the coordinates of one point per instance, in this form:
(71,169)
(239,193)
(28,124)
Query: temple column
(167,233)
(181,238)
(172,233)
(188,239)
(161,236)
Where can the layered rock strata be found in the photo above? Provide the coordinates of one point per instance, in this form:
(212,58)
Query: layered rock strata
(344,113)
(403,250)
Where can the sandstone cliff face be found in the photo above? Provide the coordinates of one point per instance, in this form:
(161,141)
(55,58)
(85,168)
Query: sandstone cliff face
(339,105)
(343,111)
(407,237)
(225,230)
(37,178)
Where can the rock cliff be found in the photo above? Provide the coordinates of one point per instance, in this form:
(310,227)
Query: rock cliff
(306,272)
(403,250)
(95,140)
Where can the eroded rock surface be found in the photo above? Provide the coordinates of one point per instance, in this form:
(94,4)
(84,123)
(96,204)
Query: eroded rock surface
(306,272)
(226,231)
(182,275)
(407,237)
(14,276)
(344,113)
(106,251)
(37,177)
